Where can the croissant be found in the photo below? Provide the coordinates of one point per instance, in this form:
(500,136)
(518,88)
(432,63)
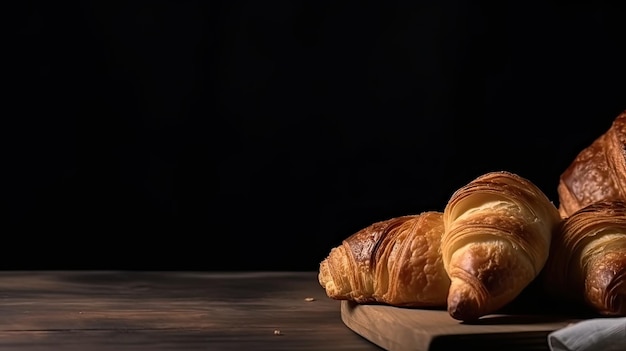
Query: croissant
(497,235)
(396,262)
(587,263)
(597,173)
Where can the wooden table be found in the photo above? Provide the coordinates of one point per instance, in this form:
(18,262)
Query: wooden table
(145,310)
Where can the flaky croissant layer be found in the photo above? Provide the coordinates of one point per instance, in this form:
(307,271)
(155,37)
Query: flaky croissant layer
(587,263)
(395,262)
(597,173)
(497,236)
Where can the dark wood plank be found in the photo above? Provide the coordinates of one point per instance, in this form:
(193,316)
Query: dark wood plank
(123,310)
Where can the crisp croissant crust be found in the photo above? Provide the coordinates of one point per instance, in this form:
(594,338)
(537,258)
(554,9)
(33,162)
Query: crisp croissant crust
(597,173)
(497,238)
(396,262)
(587,262)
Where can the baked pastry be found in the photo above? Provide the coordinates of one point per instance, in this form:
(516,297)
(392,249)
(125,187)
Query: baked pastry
(497,234)
(597,173)
(395,262)
(587,262)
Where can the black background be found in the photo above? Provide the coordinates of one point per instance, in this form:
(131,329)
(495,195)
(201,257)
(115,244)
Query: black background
(229,135)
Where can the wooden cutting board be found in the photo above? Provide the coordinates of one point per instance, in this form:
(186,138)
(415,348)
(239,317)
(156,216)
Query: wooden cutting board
(406,329)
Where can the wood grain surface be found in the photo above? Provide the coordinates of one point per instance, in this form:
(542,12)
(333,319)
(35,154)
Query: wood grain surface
(408,329)
(133,310)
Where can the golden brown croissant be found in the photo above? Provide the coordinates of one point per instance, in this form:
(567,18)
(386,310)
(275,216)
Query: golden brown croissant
(587,262)
(395,262)
(597,173)
(497,237)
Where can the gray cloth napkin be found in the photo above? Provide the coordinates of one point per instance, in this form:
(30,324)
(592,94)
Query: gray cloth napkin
(599,334)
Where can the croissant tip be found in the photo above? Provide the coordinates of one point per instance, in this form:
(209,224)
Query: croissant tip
(463,309)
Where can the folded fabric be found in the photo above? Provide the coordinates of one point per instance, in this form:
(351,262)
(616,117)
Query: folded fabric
(604,334)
